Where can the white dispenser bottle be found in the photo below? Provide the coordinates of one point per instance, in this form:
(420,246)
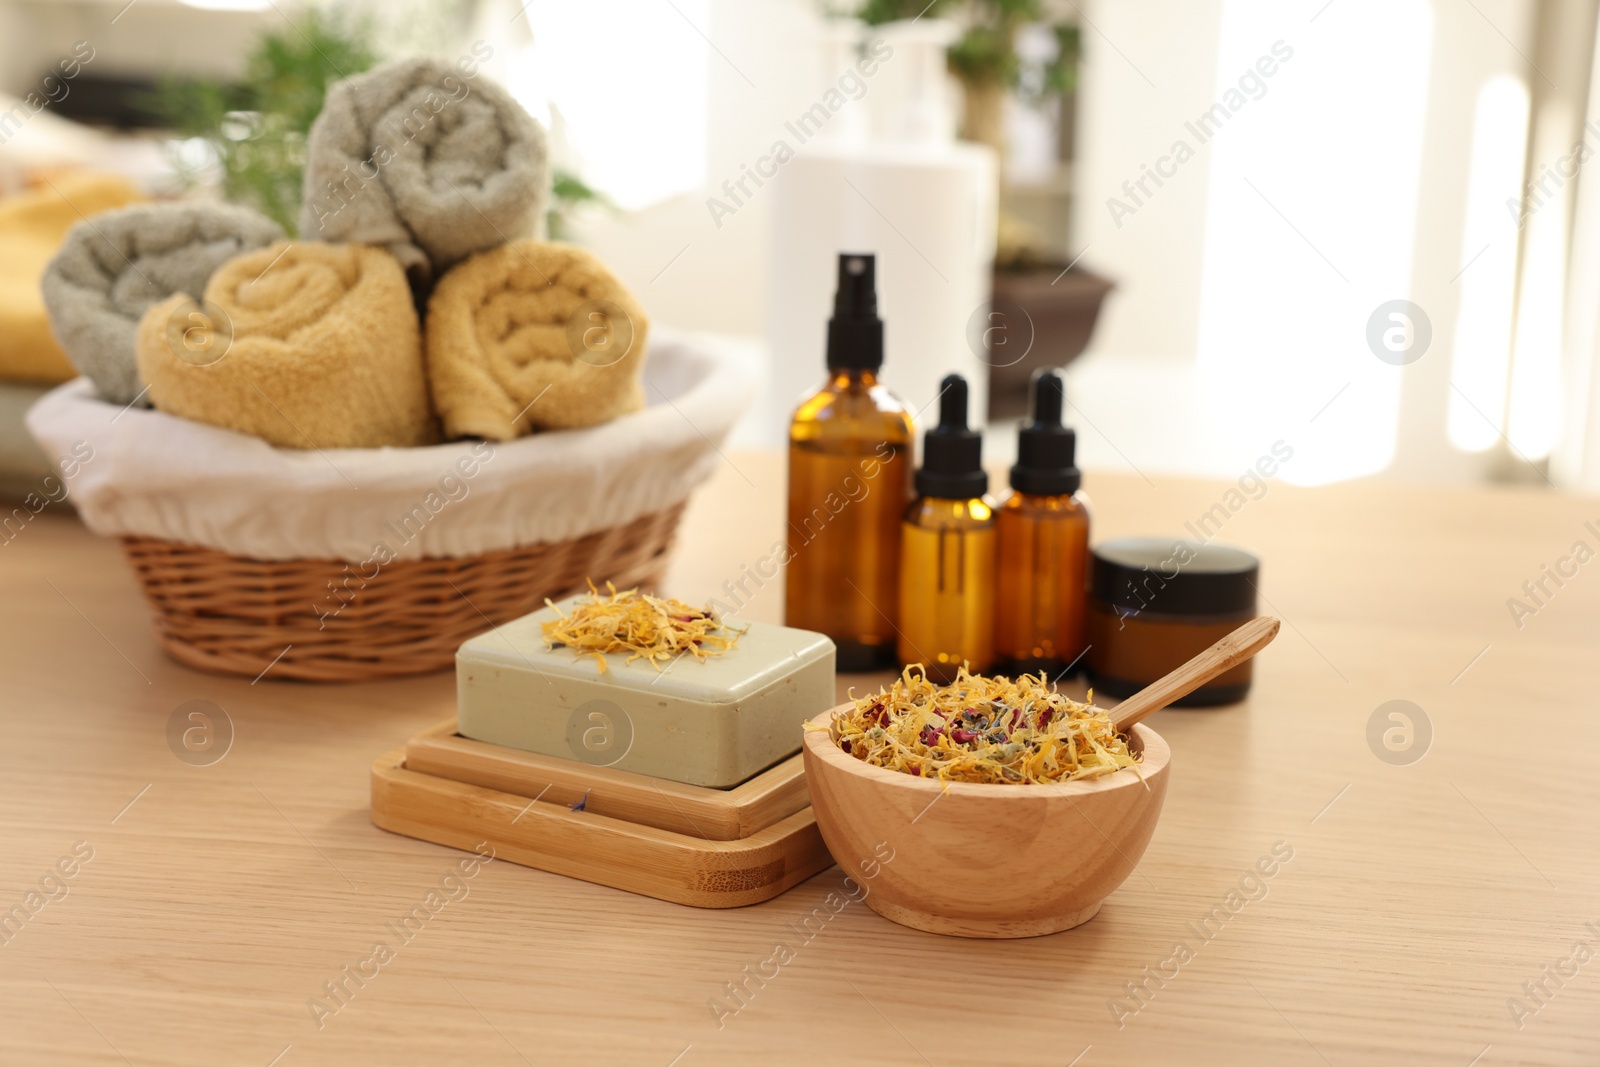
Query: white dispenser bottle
(898,185)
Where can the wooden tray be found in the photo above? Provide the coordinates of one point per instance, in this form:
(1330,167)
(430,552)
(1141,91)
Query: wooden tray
(700,812)
(525,817)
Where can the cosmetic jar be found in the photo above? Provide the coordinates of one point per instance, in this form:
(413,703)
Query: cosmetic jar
(1155,602)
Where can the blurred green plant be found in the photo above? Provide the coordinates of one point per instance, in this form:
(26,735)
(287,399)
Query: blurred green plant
(256,127)
(569,195)
(985,58)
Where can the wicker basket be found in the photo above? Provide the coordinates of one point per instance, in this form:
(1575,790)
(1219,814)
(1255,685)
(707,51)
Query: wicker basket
(244,550)
(253,617)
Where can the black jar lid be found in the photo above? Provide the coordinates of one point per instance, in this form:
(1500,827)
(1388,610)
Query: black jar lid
(1172,576)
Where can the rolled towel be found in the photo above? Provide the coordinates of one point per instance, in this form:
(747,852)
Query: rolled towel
(304,345)
(32,225)
(111,270)
(530,336)
(426,161)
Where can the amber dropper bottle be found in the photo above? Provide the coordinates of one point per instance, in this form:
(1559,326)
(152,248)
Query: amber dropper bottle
(849,480)
(947,552)
(1044,544)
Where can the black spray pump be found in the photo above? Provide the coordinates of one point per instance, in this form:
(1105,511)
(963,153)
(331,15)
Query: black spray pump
(855,333)
(1045,448)
(952,455)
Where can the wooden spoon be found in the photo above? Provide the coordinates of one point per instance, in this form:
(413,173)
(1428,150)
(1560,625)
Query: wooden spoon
(1226,654)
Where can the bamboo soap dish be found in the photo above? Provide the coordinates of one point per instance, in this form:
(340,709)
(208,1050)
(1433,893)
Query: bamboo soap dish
(693,845)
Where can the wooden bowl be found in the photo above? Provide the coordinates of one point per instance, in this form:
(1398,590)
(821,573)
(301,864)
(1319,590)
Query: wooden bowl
(984,860)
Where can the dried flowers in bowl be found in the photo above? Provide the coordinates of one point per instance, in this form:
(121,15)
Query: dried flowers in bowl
(973,854)
(997,731)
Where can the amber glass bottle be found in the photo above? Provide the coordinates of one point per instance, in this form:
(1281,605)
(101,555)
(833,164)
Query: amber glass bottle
(947,552)
(1044,544)
(849,480)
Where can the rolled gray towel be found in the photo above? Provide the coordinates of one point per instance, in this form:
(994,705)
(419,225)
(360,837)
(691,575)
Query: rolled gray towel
(111,268)
(433,165)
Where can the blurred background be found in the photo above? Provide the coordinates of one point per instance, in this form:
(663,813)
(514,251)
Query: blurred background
(1362,228)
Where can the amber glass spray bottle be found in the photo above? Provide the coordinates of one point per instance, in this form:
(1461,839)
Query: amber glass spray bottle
(947,554)
(849,480)
(1044,544)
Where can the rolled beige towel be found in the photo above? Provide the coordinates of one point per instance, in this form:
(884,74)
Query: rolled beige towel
(304,345)
(533,335)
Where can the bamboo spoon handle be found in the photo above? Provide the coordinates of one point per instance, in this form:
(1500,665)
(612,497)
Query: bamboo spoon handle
(1226,654)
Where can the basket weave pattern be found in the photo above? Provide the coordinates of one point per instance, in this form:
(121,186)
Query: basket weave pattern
(315,620)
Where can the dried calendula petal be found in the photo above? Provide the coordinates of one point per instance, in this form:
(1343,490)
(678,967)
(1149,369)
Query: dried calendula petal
(657,629)
(978,729)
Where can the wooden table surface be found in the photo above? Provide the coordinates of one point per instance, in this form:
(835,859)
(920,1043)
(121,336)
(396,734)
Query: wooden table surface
(1441,910)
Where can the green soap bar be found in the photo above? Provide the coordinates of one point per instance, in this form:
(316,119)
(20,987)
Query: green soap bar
(714,723)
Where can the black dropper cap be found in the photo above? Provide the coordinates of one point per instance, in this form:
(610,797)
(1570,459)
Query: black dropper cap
(855,333)
(952,455)
(1044,447)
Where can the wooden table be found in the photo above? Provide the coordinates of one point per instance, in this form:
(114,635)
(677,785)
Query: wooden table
(1419,898)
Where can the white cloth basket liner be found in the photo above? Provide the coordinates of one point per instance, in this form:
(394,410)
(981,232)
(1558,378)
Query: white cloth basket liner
(159,475)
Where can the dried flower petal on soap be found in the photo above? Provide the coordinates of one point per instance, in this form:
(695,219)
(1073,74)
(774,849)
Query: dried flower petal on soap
(656,629)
